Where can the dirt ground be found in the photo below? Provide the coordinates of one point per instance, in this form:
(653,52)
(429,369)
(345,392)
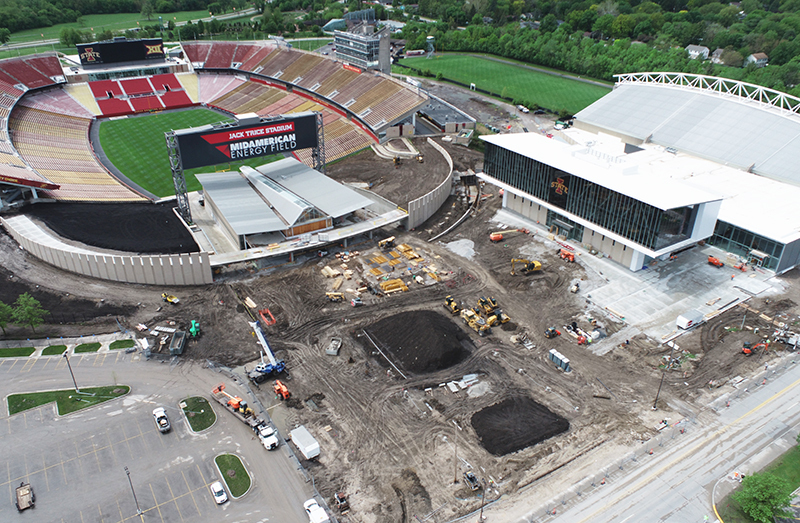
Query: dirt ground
(396,445)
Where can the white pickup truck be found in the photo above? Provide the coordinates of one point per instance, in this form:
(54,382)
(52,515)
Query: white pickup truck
(268,436)
(316,514)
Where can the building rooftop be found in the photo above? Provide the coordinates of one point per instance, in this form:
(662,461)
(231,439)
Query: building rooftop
(729,129)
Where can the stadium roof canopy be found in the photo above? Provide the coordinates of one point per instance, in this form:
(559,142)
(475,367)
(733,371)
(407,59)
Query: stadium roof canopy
(732,123)
(264,199)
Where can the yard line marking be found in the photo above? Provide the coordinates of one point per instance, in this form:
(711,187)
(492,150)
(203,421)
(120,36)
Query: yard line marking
(172,494)
(199,513)
(158,507)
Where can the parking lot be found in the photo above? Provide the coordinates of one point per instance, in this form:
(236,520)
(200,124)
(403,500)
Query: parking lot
(76,464)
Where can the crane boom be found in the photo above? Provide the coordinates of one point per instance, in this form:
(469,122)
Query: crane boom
(262,340)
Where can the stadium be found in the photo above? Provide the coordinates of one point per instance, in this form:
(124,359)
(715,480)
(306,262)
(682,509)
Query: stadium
(665,162)
(53,111)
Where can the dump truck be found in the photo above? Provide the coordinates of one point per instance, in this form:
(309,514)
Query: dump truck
(335,296)
(528,266)
(305,442)
(475,322)
(25,496)
(177,343)
(451,305)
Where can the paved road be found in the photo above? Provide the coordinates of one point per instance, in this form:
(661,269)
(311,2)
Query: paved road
(76,463)
(676,484)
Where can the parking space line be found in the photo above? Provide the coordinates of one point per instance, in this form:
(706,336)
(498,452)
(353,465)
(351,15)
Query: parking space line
(78,457)
(25,419)
(96,457)
(46,361)
(100,511)
(61,363)
(13,362)
(98,357)
(8,421)
(158,507)
(61,459)
(201,474)
(44,468)
(199,512)
(28,365)
(172,495)
(81,512)
(111,446)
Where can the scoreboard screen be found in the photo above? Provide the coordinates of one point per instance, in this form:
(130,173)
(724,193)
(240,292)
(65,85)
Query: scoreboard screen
(114,51)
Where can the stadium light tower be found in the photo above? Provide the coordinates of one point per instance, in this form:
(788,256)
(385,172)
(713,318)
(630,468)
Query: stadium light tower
(431,45)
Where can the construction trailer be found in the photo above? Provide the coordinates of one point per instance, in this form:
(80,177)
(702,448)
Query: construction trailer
(305,442)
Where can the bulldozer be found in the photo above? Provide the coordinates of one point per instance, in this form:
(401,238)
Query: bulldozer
(335,296)
(528,266)
(498,317)
(566,255)
(476,323)
(488,305)
(386,243)
(169,298)
(451,305)
(281,390)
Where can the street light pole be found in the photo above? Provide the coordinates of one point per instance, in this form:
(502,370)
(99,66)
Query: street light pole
(455,446)
(138,510)
(71,373)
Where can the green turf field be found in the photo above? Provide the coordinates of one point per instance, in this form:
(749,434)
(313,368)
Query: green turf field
(547,90)
(136,146)
(97,23)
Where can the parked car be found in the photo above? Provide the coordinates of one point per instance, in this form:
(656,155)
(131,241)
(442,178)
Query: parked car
(218,491)
(161,419)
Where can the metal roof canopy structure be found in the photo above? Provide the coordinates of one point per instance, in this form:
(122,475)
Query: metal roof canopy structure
(326,194)
(264,199)
(242,207)
(645,175)
(732,123)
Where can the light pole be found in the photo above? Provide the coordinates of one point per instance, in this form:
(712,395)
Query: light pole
(456,428)
(668,366)
(138,510)
(483,498)
(71,373)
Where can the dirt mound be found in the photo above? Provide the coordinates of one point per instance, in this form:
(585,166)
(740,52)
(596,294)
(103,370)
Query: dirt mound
(129,227)
(420,341)
(516,423)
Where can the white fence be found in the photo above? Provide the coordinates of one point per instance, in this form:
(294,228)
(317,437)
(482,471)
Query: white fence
(425,206)
(172,269)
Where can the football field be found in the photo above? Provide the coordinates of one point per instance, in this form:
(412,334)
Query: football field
(551,91)
(137,147)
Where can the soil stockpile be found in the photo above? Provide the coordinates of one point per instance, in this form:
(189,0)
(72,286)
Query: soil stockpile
(420,341)
(516,423)
(129,227)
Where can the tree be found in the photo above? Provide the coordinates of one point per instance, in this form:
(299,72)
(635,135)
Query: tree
(7,314)
(28,311)
(147,9)
(5,35)
(764,497)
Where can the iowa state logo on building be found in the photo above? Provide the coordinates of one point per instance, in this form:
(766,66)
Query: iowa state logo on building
(559,186)
(90,55)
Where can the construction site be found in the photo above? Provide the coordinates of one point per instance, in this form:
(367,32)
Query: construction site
(415,363)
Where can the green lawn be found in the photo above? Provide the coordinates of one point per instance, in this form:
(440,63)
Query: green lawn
(17,352)
(136,146)
(199,413)
(67,401)
(87,347)
(121,344)
(97,23)
(308,45)
(234,474)
(787,467)
(54,350)
(546,90)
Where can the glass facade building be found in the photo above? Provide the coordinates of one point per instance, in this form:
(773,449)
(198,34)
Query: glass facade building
(364,50)
(644,224)
(739,241)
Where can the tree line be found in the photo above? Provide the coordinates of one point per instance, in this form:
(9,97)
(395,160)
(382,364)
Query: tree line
(27,310)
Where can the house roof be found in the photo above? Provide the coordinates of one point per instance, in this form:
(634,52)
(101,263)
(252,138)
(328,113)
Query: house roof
(696,48)
(760,56)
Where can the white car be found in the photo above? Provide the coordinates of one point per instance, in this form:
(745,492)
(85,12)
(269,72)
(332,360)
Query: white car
(161,419)
(218,492)
(316,514)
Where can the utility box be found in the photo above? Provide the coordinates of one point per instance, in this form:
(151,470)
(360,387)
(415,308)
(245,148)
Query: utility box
(689,319)
(177,343)
(305,442)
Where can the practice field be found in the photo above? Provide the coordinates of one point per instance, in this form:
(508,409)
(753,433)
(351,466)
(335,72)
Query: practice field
(514,81)
(136,146)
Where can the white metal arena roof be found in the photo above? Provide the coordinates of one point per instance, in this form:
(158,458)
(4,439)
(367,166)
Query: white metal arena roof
(288,185)
(727,129)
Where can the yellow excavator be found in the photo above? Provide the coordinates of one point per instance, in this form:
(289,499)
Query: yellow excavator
(386,243)
(528,266)
(451,305)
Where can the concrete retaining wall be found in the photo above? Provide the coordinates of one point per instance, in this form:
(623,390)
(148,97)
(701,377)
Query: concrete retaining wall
(174,269)
(425,206)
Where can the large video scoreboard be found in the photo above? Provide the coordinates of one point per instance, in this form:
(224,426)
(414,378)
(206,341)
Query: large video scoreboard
(113,51)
